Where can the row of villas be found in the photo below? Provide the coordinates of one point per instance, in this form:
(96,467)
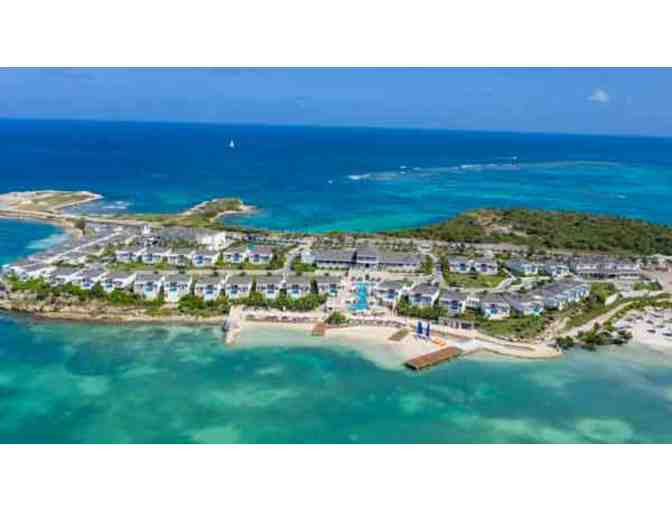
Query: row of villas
(364,257)
(493,306)
(582,267)
(464,265)
(201,258)
(177,285)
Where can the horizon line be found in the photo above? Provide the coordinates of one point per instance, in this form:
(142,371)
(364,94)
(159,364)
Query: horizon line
(327,126)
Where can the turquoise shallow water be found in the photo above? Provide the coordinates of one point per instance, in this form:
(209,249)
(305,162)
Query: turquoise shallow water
(78,383)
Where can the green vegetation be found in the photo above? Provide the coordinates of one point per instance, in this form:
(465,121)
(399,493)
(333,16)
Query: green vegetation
(200,217)
(300,267)
(517,326)
(550,230)
(336,319)
(593,306)
(472,280)
(195,305)
(606,335)
(306,303)
(430,313)
(427,266)
(652,286)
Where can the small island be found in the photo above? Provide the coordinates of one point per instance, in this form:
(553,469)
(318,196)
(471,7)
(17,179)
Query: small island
(515,282)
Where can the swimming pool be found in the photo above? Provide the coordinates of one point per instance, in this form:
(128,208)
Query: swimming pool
(362,302)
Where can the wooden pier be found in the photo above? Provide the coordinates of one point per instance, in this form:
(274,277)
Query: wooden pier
(433,358)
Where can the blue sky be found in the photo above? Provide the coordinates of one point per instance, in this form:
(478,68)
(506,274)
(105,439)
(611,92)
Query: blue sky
(611,101)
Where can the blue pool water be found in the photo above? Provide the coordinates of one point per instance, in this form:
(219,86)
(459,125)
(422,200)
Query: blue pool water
(362,301)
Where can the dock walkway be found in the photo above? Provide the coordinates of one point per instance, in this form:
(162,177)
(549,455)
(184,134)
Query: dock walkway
(433,358)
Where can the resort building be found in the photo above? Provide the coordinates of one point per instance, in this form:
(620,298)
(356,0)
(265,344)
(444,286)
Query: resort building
(423,295)
(261,254)
(180,257)
(525,304)
(208,288)
(329,285)
(148,285)
(235,255)
(238,286)
(28,269)
(333,259)
(454,302)
(270,285)
(204,258)
(463,265)
(209,239)
(556,269)
(391,291)
(129,254)
(63,275)
(176,286)
(399,261)
(522,267)
(603,267)
(117,281)
(297,286)
(495,306)
(560,294)
(153,256)
(367,257)
(88,278)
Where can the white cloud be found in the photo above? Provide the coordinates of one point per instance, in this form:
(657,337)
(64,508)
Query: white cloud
(599,96)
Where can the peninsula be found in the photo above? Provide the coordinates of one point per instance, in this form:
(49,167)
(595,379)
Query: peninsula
(511,281)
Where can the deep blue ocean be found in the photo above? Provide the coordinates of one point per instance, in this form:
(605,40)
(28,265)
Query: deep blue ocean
(65,382)
(320,179)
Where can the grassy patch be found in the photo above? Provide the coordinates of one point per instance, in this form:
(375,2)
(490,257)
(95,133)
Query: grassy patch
(472,280)
(515,327)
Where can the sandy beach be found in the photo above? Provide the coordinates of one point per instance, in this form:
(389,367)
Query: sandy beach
(649,328)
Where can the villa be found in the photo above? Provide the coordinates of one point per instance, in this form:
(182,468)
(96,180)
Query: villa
(297,286)
(177,286)
(148,285)
(329,285)
(129,254)
(261,254)
(238,286)
(556,269)
(560,294)
(28,269)
(603,267)
(464,265)
(204,258)
(119,280)
(235,255)
(390,291)
(88,278)
(63,275)
(525,304)
(522,267)
(423,294)
(495,306)
(487,266)
(208,288)
(454,302)
(180,257)
(270,285)
(155,255)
